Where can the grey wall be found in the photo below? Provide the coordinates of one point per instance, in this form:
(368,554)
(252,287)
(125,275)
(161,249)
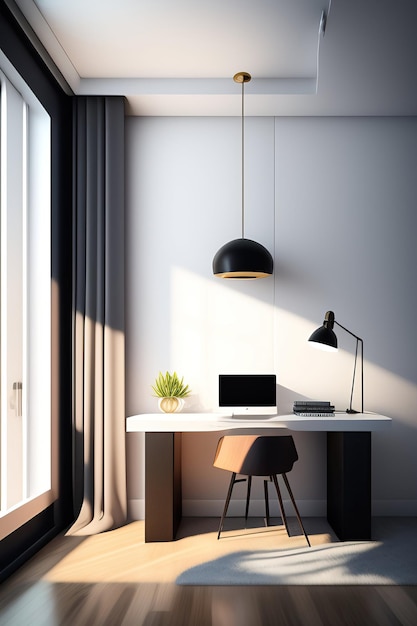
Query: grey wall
(334,199)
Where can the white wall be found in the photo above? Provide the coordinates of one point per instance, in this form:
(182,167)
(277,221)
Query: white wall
(334,201)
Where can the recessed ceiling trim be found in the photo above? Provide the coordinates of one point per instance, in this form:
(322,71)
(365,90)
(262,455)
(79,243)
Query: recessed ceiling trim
(45,35)
(154,87)
(194,86)
(153,52)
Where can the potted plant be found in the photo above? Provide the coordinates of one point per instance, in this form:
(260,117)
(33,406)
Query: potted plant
(171,392)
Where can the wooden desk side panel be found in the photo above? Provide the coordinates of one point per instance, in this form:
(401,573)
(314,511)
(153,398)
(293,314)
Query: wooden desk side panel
(163,495)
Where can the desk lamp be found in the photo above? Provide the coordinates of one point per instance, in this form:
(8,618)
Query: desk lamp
(325,338)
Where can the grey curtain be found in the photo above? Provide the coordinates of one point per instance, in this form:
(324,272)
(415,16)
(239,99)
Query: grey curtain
(98,310)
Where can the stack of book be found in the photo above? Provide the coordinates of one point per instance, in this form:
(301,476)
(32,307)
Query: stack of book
(313,408)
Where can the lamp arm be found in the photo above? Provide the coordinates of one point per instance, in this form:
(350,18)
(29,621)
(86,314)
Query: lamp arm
(348,331)
(358,339)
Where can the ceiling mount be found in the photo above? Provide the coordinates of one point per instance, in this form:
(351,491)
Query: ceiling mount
(242,77)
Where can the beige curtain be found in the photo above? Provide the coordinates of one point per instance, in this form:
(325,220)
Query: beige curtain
(98,308)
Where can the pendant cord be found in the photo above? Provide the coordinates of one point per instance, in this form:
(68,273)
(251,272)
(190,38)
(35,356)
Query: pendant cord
(243,160)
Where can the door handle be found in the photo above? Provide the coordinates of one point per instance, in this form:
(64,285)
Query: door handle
(17,392)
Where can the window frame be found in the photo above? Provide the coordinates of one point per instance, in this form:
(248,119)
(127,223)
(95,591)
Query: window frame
(26,264)
(18,48)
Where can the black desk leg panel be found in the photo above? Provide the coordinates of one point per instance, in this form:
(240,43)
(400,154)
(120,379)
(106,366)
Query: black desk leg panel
(349,484)
(163,497)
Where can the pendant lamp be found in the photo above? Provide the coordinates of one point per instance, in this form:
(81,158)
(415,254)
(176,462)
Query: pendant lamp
(242,258)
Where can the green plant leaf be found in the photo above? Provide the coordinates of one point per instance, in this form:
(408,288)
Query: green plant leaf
(170,386)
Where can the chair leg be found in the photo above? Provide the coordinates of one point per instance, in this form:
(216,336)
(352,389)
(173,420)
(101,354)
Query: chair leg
(266,503)
(281,504)
(248,498)
(226,504)
(287,484)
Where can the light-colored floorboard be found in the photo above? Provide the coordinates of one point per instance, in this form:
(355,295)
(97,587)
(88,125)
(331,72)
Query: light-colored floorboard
(116,579)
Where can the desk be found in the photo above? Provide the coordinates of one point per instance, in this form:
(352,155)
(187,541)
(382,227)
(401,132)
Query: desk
(348,463)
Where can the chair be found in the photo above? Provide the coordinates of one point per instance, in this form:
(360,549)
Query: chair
(254,455)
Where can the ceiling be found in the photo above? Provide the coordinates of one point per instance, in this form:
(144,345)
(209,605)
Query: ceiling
(178,57)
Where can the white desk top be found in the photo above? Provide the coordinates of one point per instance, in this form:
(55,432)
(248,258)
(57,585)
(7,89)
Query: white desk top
(212,422)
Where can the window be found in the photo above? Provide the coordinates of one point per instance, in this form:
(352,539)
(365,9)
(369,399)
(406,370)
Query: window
(27,436)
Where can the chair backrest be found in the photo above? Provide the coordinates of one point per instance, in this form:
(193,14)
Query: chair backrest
(256,455)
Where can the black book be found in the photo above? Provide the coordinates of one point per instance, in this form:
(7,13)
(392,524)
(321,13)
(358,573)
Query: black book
(301,403)
(314,407)
(314,413)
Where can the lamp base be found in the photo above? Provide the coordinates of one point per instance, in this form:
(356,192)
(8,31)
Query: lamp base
(352,411)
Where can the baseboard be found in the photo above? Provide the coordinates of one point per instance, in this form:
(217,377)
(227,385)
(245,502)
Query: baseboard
(214,508)
(394,508)
(135,509)
(307,508)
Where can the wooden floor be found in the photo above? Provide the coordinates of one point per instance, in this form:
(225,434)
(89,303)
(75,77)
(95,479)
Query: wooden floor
(99,581)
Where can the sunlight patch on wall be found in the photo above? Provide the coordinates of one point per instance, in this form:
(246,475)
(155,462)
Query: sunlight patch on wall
(219,328)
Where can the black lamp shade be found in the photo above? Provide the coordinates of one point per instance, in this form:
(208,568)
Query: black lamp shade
(243,258)
(324,336)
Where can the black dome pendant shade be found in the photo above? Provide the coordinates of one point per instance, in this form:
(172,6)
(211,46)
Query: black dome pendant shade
(242,258)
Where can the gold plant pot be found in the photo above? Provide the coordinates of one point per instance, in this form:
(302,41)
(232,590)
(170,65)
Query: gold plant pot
(170,405)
